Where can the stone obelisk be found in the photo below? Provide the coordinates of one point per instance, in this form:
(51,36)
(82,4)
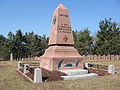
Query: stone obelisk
(61,54)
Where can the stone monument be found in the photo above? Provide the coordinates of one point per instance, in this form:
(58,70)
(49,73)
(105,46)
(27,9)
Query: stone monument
(61,53)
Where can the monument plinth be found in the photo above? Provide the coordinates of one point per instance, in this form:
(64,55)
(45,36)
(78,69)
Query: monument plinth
(61,54)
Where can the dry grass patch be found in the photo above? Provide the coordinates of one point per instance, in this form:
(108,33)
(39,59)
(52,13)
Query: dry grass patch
(10,79)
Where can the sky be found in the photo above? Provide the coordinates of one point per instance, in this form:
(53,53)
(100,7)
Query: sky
(36,15)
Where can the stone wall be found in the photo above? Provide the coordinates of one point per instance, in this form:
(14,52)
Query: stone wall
(101,58)
(29,58)
(87,58)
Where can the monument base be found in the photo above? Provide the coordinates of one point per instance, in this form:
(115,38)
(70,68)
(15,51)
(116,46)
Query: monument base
(61,57)
(74,72)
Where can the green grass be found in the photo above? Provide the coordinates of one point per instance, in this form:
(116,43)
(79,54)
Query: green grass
(10,79)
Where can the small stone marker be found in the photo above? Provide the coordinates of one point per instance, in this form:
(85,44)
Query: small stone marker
(87,65)
(22,59)
(11,57)
(37,75)
(18,65)
(25,68)
(111,69)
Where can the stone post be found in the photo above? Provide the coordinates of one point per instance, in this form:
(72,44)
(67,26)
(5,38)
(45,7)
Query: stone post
(108,57)
(22,59)
(111,69)
(117,57)
(99,57)
(87,66)
(25,68)
(92,57)
(18,65)
(37,75)
(95,57)
(103,57)
(112,57)
(11,57)
(88,56)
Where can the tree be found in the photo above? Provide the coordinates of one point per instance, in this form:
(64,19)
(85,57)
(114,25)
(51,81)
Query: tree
(83,41)
(22,46)
(18,43)
(3,48)
(108,38)
(35,44)
(44,43)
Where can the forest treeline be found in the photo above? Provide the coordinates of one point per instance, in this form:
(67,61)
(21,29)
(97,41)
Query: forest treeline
(23,45)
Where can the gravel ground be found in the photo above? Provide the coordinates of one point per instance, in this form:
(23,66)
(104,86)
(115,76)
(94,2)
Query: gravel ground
(48,75)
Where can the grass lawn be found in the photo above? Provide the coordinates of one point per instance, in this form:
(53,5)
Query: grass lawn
(10,79)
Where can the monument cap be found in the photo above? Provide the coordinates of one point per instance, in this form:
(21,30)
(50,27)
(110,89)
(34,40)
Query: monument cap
(61,30)
(60,6)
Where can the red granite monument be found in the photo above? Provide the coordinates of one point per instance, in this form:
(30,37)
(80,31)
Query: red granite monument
(61,53)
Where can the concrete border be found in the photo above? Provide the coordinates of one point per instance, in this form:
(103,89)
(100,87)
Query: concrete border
(25,75)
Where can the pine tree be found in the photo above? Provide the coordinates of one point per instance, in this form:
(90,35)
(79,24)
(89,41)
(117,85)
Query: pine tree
(83,41)
(108,38)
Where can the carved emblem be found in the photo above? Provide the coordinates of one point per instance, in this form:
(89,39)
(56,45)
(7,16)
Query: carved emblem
(65,38)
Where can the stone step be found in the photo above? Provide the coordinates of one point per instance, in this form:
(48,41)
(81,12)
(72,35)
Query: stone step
(79,76)
(73,72)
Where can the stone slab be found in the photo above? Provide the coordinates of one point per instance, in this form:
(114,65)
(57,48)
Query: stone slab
(79,76)
(73,72)
(37,75)
(111,69)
